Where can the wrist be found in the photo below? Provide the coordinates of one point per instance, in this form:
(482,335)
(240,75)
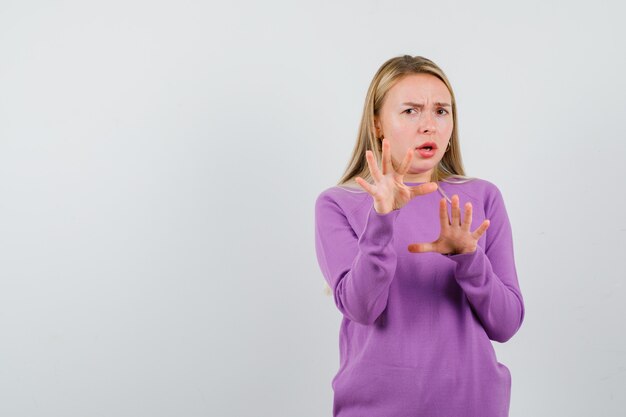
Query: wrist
(462,251)
(381,211)
(467,251)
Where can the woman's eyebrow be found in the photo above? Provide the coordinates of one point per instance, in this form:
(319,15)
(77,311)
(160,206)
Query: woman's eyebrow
(437,103)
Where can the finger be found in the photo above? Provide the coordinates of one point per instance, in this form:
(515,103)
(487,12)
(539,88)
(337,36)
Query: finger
(373,166)
(365,185)
(422,189)
(456,211)
(387,166)
(443,213)
(406,162)
(467,221)
(481,229)
(422,247)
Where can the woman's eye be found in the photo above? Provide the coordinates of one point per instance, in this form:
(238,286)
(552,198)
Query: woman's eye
(440,111)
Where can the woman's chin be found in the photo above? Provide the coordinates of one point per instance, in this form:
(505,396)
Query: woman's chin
(420,169)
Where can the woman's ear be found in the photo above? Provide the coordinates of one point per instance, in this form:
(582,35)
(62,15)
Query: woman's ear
(377,128)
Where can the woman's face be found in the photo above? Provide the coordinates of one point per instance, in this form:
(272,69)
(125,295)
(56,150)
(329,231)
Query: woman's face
(416,111)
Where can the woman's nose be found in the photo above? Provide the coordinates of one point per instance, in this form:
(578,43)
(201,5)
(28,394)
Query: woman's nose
(427,122)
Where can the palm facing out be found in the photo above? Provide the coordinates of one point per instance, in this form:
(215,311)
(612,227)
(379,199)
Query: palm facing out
(388,191)
(455,237)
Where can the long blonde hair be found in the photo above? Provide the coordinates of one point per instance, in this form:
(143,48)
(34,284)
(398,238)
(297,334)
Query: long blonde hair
(393,70)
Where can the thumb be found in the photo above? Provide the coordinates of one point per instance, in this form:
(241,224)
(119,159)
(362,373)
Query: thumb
(422,189)
(421,247)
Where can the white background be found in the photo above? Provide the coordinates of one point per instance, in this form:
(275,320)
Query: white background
(159,163)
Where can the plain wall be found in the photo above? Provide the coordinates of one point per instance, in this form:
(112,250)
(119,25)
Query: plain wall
(159,163)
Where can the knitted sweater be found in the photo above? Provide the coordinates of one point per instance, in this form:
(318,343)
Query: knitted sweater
(416,330)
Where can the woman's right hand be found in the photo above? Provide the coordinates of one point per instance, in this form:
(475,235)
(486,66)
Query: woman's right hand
(389,191)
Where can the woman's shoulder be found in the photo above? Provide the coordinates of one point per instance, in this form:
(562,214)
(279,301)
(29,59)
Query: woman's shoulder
(475,187)
(347,197)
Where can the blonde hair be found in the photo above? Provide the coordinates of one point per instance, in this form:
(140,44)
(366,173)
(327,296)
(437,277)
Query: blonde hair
(393,70)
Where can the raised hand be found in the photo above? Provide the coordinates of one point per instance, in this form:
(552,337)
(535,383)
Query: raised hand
(455,237)
(388,190)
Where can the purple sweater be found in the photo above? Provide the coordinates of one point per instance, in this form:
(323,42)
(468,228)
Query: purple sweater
(416,328)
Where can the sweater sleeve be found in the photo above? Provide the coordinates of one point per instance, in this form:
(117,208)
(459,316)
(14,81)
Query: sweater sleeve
(359,269)
(489,278)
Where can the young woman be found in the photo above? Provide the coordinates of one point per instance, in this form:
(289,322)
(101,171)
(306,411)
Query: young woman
(422,293)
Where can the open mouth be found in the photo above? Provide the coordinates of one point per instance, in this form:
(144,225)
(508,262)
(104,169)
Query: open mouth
(428,146)
(427,150)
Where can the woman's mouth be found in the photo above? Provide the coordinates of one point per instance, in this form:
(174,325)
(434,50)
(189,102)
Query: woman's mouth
(427,150)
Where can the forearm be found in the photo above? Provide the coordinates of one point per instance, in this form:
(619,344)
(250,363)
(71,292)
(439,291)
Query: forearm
(499,306)
(360,272)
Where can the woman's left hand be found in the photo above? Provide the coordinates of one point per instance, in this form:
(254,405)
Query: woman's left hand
(455,237)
